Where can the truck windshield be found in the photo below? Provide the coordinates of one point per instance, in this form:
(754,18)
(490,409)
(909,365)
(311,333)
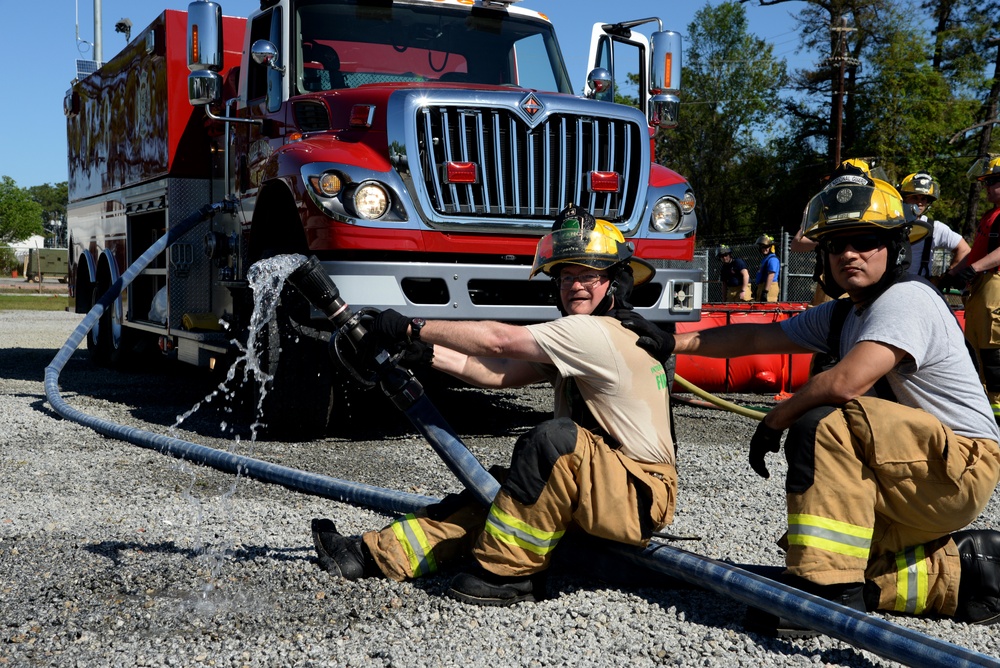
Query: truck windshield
(346,45)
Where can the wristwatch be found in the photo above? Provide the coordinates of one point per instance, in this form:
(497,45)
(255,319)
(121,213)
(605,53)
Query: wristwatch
(416,324)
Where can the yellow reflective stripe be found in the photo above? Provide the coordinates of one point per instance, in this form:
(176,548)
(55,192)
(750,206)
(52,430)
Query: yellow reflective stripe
(415,545)
(996,409)
(911,581)
(508,529)
(830,535)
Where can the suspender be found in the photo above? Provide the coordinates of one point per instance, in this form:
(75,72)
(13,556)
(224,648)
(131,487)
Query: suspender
(881,388)
(925,259)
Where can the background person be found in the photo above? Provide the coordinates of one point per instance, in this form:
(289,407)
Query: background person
(920,190)
(603,465)
(978,271)
(769,271)
(734,275)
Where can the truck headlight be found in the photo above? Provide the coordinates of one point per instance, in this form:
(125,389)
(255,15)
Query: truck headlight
(370,200)
(666,215)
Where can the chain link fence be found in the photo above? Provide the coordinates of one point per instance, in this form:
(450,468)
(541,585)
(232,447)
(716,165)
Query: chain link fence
(795,278)
(796,275)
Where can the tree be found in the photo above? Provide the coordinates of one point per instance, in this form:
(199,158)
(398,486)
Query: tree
(728,113)
(913,76)
(53,200)
(20,216)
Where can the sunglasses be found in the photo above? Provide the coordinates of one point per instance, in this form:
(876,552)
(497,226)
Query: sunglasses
(861,243)
(586,281)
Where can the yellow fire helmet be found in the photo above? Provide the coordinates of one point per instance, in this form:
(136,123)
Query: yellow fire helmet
(920,183)
(853,201)
(866,165)
(579,238)
(984,168)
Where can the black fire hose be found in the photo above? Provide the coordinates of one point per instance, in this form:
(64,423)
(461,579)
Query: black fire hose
(859,629)
(399,384)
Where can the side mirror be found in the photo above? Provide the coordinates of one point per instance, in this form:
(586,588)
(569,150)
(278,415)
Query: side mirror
(204,87)
(204,47)
(665,78)
(599,84)
(265,52)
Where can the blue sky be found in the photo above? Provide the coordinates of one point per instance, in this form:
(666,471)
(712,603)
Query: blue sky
(40,65)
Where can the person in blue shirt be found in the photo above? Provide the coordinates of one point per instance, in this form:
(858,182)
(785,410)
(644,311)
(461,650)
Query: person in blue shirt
(770,269)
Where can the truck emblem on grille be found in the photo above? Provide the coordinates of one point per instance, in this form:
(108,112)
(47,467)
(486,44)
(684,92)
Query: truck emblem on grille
(531,109)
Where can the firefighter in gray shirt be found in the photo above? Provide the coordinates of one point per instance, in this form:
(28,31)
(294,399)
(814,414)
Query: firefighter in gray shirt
(893,449)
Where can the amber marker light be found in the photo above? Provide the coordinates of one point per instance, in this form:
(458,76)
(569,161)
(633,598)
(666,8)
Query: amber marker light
(362,115)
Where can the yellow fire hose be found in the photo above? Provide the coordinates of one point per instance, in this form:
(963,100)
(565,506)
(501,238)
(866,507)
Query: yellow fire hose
(721,403)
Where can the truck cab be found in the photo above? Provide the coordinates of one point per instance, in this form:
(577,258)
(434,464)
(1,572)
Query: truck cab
(419,149)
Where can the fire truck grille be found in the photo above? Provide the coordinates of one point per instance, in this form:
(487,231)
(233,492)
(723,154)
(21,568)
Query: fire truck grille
(523,172)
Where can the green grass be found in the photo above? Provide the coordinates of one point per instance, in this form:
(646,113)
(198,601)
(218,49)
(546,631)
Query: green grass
(33,302)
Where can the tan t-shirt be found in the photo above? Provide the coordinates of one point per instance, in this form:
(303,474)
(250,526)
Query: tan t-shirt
(622,385)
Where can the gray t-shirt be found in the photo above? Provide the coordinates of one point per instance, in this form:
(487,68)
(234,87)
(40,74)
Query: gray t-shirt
(938,376)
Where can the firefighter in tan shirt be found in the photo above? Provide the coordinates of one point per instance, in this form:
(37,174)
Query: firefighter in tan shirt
(603,464)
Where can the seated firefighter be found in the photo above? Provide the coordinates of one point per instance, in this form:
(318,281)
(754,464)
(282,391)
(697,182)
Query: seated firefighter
(893,449)
(604,464)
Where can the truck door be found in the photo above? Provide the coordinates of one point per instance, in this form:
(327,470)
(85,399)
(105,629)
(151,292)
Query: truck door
(264,90)
(621,53)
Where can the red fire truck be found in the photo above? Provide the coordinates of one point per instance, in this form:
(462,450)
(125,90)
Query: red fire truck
(418,148)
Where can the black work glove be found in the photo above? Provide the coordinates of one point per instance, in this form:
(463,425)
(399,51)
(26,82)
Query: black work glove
(957,281)
(416,355)
(764,440)
(389,329)
(655,341)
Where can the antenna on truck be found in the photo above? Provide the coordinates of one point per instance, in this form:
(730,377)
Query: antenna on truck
(85,68)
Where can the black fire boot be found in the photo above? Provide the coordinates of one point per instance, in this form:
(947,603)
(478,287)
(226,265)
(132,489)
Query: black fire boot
(480,587)
(979,588)
(339,555)
(851,594)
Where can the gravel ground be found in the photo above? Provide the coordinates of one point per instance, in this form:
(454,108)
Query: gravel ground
(115,555)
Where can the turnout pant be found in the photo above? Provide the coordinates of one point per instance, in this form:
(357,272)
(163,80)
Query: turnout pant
(982,330)
(561,476)
(874,489)
(738,294)
(770,294)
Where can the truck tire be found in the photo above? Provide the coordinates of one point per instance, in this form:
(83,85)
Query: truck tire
(116,341)
(298,401)
(98,351)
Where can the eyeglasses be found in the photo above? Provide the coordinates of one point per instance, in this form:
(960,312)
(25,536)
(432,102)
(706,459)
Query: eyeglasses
(586,281)
(861,243)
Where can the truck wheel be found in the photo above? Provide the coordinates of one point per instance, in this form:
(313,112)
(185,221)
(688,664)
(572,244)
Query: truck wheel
(98,352)
(299,398)
(115,340)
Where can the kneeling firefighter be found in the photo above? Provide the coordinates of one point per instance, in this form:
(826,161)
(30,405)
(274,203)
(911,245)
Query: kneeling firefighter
(604,464)
(892,450)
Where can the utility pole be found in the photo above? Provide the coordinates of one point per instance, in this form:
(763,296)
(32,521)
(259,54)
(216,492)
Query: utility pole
(98,27)
(841,61)
(972,207)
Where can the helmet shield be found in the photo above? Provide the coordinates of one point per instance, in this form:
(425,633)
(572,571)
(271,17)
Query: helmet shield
(851,202)
(984,168)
